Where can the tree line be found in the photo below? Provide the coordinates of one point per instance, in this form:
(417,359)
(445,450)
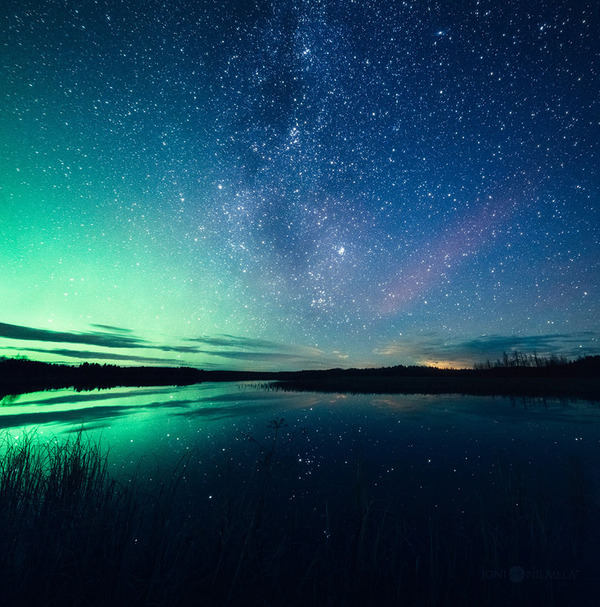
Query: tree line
(520,359)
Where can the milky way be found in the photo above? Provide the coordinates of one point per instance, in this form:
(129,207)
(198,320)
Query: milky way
(299,184)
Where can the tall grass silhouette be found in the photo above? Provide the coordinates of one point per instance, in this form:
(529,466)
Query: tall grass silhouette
(72,534)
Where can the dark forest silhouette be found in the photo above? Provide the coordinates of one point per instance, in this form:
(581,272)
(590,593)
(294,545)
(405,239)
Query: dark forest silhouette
(514,374)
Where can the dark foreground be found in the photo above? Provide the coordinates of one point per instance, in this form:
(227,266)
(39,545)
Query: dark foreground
(71,535)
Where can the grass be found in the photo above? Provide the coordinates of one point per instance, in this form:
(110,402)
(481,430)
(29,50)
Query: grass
(71,534)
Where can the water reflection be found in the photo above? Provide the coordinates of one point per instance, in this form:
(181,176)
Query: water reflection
(454,432)
(421,470)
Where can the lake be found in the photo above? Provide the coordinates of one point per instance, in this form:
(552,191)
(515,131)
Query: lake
(485,470)
(452,436)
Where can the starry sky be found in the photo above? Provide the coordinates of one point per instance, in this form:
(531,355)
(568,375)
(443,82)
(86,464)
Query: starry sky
(299,183)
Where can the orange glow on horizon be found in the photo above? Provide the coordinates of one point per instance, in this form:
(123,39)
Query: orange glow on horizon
(446,364)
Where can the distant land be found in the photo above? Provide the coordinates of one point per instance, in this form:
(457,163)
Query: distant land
(514,375)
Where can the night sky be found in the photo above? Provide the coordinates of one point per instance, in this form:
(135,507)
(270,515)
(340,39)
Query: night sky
(299,184)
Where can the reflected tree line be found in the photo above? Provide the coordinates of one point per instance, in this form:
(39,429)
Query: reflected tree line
(23,375)
(528,374)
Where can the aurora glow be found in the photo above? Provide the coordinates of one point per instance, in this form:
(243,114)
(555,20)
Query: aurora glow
(295,184)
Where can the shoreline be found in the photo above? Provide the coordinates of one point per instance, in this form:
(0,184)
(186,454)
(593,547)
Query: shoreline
(576,380)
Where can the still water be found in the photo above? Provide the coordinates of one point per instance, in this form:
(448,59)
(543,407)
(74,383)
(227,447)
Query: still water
(413,447)
(493,496)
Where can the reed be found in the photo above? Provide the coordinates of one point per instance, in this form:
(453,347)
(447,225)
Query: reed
(71,534)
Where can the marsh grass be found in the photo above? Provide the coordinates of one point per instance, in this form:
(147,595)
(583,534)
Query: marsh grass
(71,534)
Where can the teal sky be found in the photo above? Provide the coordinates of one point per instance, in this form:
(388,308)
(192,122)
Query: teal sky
(299,184)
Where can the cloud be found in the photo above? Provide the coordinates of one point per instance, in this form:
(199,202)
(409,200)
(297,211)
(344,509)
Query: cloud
(89,355)
(393,349)
(223,346)
(233,341)
(435,348)
(111,328)
(94,338)
(101,339)
(240,354)
(303,358)
(116,339)
(258,350)
(567,344)
(178,349)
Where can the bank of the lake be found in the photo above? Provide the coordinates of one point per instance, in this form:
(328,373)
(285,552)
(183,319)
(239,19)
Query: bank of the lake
(521,376)
(225,494)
